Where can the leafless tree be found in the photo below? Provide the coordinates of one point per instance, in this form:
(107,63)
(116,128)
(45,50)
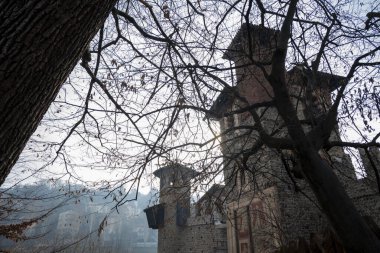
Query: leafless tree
(141,95)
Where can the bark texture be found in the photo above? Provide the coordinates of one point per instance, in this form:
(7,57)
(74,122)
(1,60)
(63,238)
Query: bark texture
(350,226)
(354,232)
(40,43)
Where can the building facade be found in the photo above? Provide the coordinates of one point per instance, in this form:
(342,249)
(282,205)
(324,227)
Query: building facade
(269,204)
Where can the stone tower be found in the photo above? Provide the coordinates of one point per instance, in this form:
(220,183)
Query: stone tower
(174,206)
(202,231)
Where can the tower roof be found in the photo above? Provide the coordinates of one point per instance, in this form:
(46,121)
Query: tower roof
(324,80)
(175,168)
(222,103)
(266,38)
(262,33)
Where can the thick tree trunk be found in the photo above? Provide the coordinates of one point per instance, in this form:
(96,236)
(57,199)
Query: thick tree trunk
(349,225)
(40,43)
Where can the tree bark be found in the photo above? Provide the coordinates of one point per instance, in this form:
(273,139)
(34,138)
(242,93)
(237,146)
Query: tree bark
(40,43)
(349,225)
(355,234)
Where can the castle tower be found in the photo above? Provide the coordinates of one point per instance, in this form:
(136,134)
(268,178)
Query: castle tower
(253,47)
(171,214)
(251,51)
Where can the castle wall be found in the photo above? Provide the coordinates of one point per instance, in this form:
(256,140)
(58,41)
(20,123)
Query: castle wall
(199,235)
(298,214)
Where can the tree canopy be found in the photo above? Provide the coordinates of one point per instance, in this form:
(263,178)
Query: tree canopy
(142,93)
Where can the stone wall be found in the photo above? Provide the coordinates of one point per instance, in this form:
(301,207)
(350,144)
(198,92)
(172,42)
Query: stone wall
(199,235)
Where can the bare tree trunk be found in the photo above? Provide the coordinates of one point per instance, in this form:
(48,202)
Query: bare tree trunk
(40,43)
(355,234)
(349,225)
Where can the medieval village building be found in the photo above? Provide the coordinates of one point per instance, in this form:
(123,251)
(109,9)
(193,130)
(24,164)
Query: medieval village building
(266,202)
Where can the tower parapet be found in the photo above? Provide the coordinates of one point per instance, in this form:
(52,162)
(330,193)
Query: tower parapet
(173,209)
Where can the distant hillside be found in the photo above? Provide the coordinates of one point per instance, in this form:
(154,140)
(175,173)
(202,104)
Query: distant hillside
(76,219)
